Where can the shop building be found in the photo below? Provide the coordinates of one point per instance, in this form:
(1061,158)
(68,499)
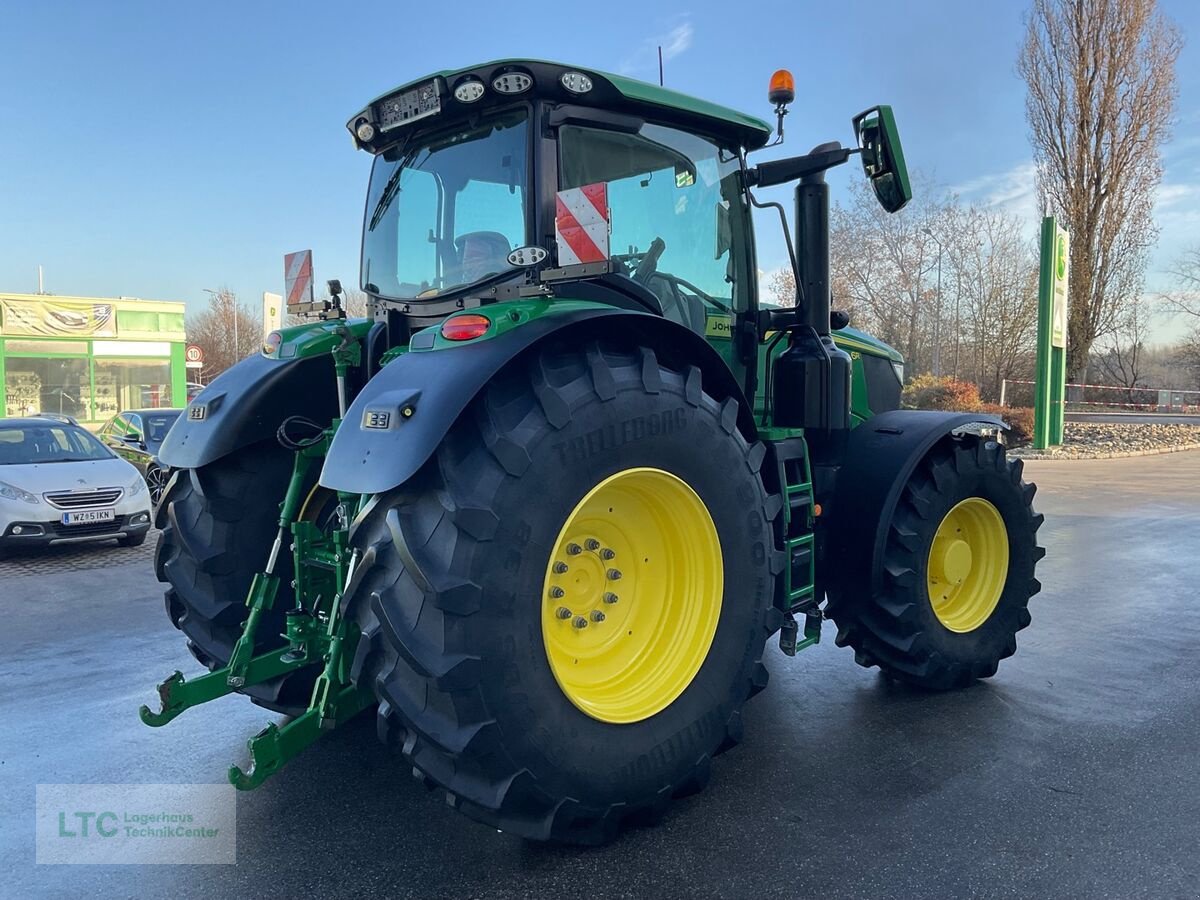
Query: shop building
(90,357)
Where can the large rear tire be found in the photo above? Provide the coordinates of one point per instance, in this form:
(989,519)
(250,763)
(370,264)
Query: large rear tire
(533,721)
(957,573)
(218,522)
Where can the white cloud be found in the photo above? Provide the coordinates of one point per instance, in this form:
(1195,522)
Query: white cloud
(1001,188)
(677,40)
(1177,215)
(1174,195)
(644,59)
(1014,191)
(1181,146)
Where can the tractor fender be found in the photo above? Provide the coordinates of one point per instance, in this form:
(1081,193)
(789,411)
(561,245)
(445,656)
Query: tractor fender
(403,413)
(246,403)
(881,455)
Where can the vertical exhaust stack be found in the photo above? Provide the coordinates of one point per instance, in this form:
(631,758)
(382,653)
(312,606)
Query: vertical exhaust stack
(815,371)
(812,244)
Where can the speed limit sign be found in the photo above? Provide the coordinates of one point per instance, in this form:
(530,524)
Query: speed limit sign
(193,357)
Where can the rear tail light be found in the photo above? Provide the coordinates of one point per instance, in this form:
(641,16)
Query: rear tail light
(465,328)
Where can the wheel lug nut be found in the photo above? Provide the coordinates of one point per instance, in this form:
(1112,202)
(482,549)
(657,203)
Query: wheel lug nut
(597,616)
(560,568)
(556,592)
(574,549)
(610,597)
(563,613)
(614,574)
(592,544)
(607,553)
(580,622)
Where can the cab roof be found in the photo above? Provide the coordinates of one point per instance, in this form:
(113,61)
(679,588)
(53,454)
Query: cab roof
(639,96)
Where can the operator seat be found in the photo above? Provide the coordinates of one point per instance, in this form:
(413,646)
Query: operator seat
(677,306)
(481,253)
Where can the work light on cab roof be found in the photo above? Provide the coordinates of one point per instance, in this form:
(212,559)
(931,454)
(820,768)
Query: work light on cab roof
(388,118)
(469,90)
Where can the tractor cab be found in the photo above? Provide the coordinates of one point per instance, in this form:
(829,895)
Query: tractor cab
(517,177)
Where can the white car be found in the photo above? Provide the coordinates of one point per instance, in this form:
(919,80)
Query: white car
(59,484)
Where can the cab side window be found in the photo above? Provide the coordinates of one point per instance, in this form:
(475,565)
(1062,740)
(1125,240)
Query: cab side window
(671,196)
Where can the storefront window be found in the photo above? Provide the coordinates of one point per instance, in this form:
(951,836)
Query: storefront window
(46,385)
(131,384)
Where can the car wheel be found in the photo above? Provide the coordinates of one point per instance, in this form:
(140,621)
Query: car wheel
(156,481)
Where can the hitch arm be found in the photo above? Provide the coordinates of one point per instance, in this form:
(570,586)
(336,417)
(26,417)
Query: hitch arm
(177,693)
(274,746)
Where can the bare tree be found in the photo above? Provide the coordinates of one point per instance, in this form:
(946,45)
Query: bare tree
(227,332)
(1188,355)
(1185,296)
(882,267)
(999,276)
(1122,356)
(883,271)
(781,287)
(1100,76)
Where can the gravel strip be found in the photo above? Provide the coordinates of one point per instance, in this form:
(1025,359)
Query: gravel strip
(1094,440)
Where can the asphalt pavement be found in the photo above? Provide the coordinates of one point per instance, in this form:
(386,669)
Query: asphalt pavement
(1073,773)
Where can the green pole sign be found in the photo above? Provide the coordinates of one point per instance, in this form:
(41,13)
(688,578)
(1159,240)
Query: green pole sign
(1050,379)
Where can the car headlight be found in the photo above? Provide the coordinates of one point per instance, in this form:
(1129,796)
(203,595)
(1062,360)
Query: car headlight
(136,486)
(898,368)
(12,492)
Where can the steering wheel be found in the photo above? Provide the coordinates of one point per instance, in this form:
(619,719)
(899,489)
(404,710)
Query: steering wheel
(649,264)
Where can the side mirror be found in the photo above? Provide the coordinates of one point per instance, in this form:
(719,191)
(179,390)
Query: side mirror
(883,157)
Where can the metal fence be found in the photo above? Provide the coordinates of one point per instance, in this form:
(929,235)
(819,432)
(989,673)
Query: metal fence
(1082,397)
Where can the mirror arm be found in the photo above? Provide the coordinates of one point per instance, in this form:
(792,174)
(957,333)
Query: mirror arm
(782,319)
(781,171)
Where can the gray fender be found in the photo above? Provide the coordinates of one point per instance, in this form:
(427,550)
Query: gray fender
(881,455)
(436,386)
(246,403)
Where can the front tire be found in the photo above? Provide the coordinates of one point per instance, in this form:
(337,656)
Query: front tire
(957,573)
(464,642)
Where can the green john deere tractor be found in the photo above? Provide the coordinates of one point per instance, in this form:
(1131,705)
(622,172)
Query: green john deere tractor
(543,508)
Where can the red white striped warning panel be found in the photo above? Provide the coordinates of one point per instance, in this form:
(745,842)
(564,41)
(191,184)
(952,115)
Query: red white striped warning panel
(581,224)
(298,277)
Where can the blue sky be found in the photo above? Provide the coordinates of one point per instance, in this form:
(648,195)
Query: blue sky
(157,149)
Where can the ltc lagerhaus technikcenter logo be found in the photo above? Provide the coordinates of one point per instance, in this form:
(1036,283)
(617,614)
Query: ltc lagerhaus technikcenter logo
(130,824)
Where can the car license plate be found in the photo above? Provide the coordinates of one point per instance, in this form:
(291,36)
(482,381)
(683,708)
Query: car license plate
(88,516)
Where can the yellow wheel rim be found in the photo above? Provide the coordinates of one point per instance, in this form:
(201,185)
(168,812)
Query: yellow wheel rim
(632,595)
(968,564)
